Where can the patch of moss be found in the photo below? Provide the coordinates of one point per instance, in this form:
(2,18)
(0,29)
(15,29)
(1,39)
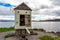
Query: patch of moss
(57,38)
(6,36)
(6,29)
(46,38)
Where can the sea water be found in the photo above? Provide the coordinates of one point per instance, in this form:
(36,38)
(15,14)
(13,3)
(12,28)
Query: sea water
(6,24)
(48,26)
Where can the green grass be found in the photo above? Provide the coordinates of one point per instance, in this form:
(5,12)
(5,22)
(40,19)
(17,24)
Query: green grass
(49,38)
(57,38)
(6,29)
(7,36)
(46,38)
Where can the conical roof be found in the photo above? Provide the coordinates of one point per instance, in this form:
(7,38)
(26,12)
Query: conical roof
(22,6)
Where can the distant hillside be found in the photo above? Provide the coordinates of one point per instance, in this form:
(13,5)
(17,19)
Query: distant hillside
(50,20)
(53,20)
(32,20)
(6,20)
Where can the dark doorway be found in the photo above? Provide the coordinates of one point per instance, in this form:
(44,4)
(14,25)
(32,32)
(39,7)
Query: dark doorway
(22,20)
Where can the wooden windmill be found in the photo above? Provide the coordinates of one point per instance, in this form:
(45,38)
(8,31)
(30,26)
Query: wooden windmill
(22,19)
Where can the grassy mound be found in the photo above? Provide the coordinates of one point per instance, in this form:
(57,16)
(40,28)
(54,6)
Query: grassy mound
(57,38)
(46,38)
(6,29)
(49,38)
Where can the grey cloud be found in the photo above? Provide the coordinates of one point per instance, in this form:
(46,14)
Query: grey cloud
(57,12)
(52,12)
(5,11)
(44,6)
(48,12)
(56,2)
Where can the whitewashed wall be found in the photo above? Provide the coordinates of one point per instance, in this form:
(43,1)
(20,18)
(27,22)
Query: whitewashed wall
(17,18)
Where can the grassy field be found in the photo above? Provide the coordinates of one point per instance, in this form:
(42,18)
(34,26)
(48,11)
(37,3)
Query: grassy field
(6,29)
(49,38)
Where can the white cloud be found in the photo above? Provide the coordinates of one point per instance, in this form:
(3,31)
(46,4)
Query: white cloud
(48,5)
(45,17)
(5,10)
(6,17)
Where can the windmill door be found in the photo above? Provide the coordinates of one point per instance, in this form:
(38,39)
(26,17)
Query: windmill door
(25,20)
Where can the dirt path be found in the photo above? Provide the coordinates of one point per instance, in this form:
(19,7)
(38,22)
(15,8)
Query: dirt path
(2,34)
(31,37)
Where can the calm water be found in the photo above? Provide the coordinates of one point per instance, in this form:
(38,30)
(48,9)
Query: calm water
(6,24)
(48,26)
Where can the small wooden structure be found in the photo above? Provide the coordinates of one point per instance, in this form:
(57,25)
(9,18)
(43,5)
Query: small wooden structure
(22,20)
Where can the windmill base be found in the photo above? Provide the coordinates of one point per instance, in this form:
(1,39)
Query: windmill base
(21,34)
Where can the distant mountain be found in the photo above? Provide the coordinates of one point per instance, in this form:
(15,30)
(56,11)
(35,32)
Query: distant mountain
(6,20)
(32,20)
(53,20)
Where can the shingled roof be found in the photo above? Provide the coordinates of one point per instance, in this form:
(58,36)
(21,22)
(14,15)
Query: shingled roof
(22,6)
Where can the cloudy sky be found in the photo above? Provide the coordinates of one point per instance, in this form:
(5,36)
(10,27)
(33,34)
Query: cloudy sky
(45,9)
